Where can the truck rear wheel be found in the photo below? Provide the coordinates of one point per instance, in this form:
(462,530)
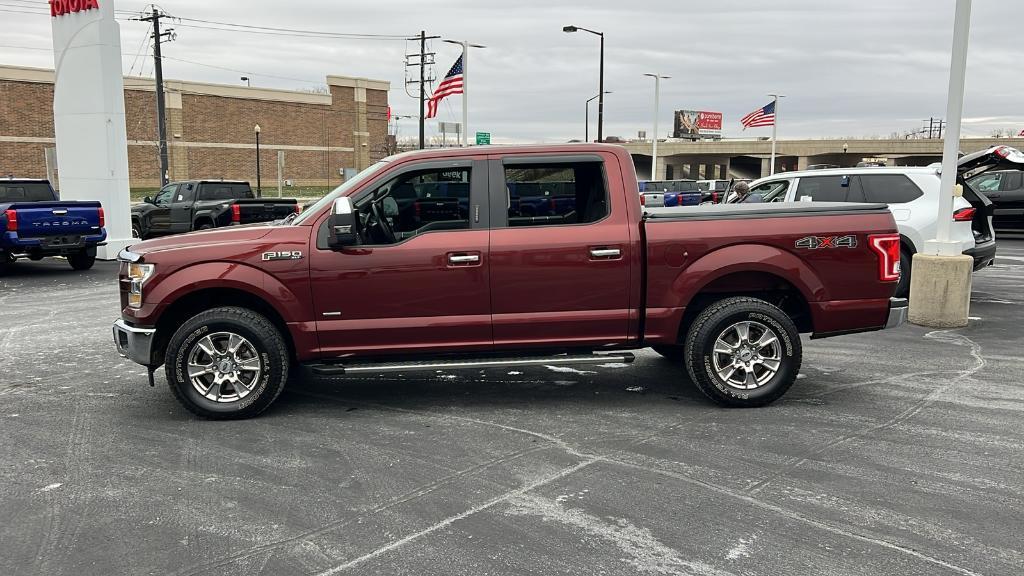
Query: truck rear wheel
(743,352)
(227,363)
(82,260)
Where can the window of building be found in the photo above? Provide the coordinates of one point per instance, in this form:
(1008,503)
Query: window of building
(889,188)
(555,194)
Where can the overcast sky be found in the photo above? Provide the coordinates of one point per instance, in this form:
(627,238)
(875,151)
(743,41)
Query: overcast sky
(849,68)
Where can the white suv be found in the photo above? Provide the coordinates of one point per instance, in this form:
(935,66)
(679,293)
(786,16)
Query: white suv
(912,195)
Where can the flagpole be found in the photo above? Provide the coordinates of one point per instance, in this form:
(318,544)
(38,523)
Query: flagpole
(465,85)
(465,93)
(775,125)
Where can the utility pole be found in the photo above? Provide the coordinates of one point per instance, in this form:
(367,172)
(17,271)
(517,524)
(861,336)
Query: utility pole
(424,59)
(161,108)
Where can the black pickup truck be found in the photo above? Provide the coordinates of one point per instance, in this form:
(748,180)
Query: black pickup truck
(203,204)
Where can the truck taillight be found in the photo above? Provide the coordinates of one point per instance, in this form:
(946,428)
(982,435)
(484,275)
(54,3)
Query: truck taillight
(887,247)
(236,214)
(643,200)
(297,209)
(103,218)
(551,205)
(714,197)
(964,215)
(11,218)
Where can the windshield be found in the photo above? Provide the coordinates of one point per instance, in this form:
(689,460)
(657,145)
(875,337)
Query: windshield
(341,191)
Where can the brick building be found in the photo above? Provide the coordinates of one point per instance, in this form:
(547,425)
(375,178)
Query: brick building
(210,128)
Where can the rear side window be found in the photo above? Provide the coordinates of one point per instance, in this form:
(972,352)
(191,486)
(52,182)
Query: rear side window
(224,191)
(25,192)
(889,188)
(827,188)
(772,191)
(1013,181)
(555,194)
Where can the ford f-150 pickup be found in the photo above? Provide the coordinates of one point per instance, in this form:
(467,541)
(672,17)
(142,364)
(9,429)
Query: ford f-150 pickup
(351,287)
(36,223)
(203,204)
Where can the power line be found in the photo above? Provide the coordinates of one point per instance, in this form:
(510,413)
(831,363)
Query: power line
(290,34)
(295,31)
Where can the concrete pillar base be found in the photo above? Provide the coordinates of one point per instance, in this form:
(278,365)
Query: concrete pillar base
(940,290)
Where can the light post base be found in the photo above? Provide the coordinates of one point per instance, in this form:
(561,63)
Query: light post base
(940,290)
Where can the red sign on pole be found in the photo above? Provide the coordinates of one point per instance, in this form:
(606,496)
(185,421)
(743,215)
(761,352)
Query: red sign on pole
(62,7)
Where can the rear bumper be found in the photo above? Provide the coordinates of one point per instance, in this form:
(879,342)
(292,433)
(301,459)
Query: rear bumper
(135,344)
(984,255)
(898,308)
(48,246)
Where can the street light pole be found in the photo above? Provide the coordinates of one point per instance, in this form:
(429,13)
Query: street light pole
(775,125)
(259,187)
(657,107)
(586,124)
(600,87)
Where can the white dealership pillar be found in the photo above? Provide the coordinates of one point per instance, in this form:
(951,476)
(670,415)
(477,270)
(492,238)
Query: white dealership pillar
(88,113)
(940,286)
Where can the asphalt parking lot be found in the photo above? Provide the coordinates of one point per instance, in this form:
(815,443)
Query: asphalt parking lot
(900,452)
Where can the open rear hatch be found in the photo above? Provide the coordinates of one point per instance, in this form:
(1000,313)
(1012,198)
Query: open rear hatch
(971,165)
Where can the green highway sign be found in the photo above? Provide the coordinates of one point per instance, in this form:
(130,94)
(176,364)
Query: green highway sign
(483,138)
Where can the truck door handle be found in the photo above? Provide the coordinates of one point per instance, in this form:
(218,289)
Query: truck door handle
(463,258)
(605,253)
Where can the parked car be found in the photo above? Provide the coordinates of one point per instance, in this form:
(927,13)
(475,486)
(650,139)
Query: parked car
(913,196)
(36,223)
(669,193)
(725,291)
(1005,188)
(203,204)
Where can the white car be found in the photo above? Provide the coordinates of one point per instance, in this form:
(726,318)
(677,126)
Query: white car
(912,195)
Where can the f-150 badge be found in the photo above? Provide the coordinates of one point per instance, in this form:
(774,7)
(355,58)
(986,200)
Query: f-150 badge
(268,256)
(816,242)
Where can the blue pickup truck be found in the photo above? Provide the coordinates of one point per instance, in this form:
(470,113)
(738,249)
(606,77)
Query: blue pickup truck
(36,223)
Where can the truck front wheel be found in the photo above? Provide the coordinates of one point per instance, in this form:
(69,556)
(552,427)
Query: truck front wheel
(743,352)
(227,363)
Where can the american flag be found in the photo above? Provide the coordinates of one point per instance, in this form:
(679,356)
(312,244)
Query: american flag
(452,84)
(760,117)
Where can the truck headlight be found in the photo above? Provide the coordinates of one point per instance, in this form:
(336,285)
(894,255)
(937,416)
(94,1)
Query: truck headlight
(138,274)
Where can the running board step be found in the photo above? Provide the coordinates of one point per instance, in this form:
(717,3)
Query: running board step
(462,364)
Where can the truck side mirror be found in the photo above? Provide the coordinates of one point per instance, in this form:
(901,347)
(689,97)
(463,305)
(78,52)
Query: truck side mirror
(148,200)
(343,224)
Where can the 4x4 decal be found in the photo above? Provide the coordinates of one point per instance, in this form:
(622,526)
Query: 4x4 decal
(816,242)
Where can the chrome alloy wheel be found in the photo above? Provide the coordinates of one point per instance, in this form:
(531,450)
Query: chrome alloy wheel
(223,367)
(747,355)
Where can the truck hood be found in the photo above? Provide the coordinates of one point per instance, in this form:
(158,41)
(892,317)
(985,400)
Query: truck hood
(215,237)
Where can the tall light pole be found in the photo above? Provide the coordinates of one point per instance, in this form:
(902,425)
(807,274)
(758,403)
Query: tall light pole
(259,188)
(775,126)
(657,105)
(586,125)
(600,84)
(465,85)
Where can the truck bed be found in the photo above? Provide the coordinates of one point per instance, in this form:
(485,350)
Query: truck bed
(761,210)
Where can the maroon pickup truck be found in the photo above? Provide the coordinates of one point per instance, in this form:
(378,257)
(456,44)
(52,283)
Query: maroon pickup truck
(399,269)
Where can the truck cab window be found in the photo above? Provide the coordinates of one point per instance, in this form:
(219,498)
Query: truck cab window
(552,194)
(415,203)
(166,195)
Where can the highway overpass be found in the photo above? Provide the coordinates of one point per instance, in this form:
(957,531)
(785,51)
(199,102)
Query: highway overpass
(751,158)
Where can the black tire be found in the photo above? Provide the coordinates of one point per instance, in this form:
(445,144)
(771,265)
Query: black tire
(903,286)
(673,352)
(716,321)
(270,354)
(82,260)
(204,225)
(137,230)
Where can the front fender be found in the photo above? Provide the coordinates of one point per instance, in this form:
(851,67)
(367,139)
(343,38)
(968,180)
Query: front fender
(747,258)
(232,275)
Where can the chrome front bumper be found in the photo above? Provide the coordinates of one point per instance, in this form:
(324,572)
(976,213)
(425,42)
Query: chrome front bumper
(897,312)
(134,343)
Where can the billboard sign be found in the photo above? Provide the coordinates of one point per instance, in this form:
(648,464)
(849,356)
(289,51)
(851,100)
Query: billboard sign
(697,124)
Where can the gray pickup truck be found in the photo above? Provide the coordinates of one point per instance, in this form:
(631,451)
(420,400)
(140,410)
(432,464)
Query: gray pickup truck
(203,204)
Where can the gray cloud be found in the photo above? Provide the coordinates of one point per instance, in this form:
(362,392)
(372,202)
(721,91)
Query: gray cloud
(849,68)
